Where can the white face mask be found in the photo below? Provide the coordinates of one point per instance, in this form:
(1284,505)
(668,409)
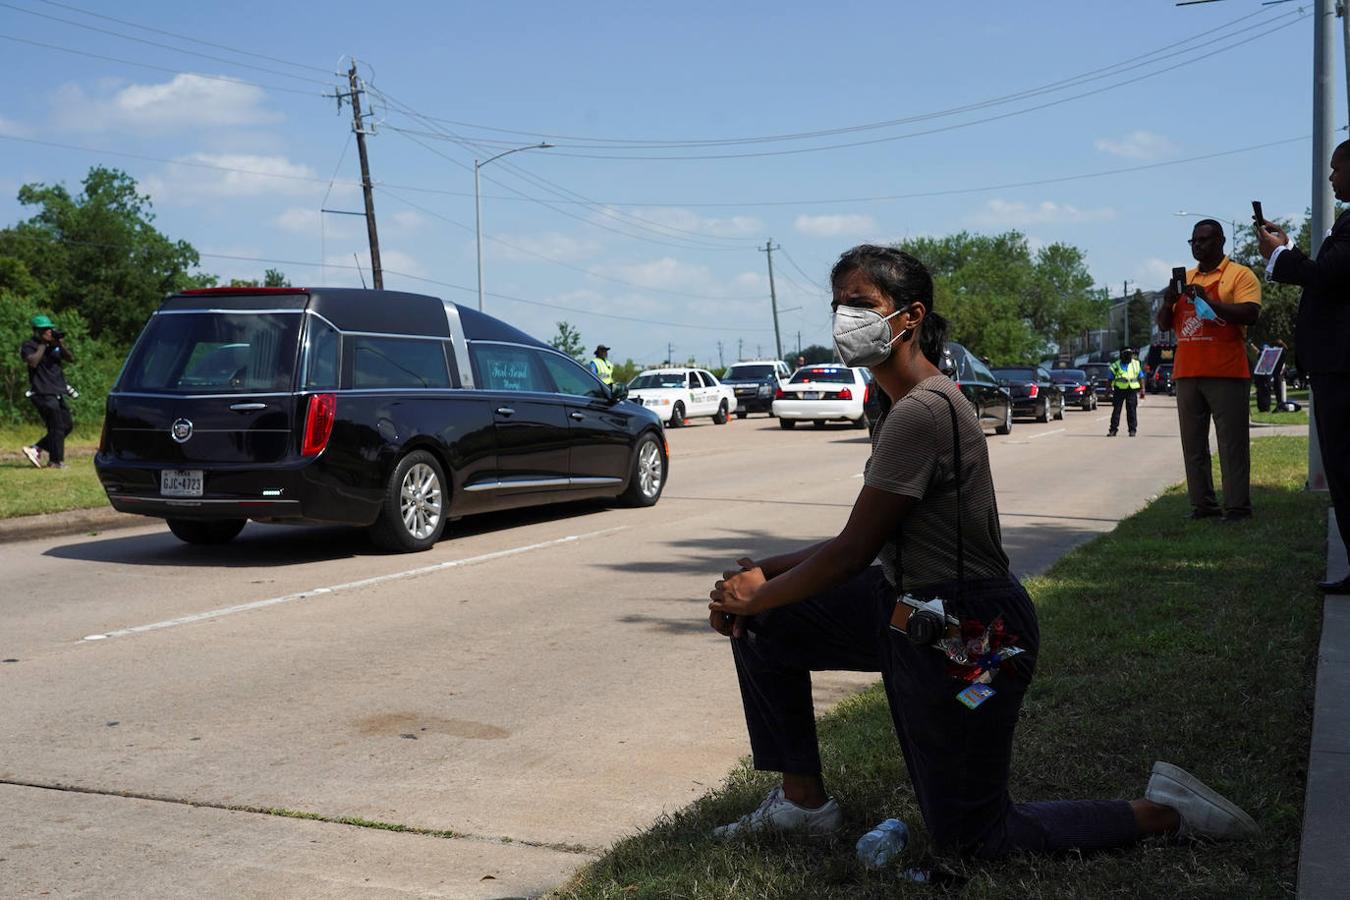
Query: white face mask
(863,337)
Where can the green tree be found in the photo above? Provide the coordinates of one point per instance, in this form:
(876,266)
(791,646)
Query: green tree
(1279,302)
(568,340)
(275,278)
(626,371)
(814,354)
(98,252)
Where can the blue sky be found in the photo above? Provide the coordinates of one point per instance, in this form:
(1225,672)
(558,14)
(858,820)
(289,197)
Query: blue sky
(638,252)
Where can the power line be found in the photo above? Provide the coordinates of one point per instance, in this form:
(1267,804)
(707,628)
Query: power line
(930,131)
(142,65)
(184,37)
(557,262)
(163,46)
(809,280)
(1070,81)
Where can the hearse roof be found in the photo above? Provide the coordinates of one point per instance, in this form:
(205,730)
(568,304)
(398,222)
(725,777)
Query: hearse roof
(354,309)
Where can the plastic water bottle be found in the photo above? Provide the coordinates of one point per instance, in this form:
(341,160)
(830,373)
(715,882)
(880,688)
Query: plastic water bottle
(882,844)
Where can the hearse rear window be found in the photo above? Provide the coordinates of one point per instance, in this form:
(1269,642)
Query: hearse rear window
(390,362)
(215,353)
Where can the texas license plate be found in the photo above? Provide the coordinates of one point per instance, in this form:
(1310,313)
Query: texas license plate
(811,395)
(180,482)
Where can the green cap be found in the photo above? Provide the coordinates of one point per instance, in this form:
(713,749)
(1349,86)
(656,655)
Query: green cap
(41,322)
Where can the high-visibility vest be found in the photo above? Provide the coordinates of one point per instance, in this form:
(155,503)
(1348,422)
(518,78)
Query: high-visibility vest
(1127,376)
(604,370)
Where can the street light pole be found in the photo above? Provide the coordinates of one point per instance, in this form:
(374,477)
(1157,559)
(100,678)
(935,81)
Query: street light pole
(1232,223)
(478,207)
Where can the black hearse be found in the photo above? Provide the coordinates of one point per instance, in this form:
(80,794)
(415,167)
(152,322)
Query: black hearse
(380,409)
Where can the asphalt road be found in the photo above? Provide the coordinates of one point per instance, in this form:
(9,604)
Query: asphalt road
(540,684)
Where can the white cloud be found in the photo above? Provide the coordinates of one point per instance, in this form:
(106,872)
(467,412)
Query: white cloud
(836,225)
(11,128)
(1153,273)
(186,102)
(406,220)
(666,273)
(551,245)
(1001,213)
(215,175)
(679,220)
(1138,145)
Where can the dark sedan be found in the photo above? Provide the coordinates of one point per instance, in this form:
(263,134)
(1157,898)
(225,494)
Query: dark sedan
(1160,381)
(991,401)
(390,411)
(1100,373)
(1077,387)
(1033,392)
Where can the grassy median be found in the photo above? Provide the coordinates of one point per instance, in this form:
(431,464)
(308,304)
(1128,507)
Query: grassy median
(1283,418)
(1193,642)
(26,491)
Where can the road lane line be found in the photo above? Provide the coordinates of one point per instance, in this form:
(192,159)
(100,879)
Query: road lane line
(346,586)
(1047,433)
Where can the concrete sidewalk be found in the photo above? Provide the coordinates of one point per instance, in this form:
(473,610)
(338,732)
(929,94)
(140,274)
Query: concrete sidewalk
(1326,829)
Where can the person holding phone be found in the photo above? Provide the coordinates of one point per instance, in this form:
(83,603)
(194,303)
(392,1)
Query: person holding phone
(954,636)
(1209,314)
(1322,337)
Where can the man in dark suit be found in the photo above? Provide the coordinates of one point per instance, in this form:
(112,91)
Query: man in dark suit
(1322,332)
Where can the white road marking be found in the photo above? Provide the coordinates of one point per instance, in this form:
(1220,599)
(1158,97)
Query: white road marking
(348,586)
(1101,418)
(1046,433)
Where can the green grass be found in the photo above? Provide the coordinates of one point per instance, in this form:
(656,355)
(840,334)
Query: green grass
(26,491)
(1192,642)
(83,440)
(1283,418)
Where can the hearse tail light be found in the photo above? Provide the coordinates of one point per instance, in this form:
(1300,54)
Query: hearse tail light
(318,423)
(845,394)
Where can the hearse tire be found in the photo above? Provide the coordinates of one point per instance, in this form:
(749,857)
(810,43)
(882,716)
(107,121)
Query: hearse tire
(196,531)
(648,477)
(412,514)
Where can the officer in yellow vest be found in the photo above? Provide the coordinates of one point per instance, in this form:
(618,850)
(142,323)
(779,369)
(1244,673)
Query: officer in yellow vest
(601,366)
(1125,383)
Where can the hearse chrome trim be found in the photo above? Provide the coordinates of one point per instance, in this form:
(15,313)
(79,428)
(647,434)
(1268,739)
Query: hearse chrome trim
(459,343)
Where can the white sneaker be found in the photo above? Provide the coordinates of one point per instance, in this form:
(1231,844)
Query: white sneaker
(33,456)
(778,813)
(1204,812)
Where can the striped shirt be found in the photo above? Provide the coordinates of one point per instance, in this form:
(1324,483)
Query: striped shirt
(912,455)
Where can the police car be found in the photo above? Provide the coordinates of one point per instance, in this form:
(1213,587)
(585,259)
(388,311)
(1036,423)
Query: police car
(678,394)
(821,394)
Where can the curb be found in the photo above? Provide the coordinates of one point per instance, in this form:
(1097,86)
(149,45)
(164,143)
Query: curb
(1321,857)
(72,521)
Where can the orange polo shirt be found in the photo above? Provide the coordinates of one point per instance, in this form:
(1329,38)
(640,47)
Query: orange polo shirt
(1206,349)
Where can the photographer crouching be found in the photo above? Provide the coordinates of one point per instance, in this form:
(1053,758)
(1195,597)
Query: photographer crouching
(46,357)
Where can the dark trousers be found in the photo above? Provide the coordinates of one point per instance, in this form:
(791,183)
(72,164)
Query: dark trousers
(1130,398)
(1331,406)
(958,758)
(56,416)
(1226,401)
(1262,383)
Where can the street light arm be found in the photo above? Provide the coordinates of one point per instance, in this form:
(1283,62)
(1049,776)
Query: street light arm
(539,146)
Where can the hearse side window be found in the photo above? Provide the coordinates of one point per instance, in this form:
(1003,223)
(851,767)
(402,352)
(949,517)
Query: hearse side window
(390,362)
(215,353)
(571,378)
(501,367)
(322,352)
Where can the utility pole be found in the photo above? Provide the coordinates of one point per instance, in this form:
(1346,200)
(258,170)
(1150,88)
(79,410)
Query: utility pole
(1125,292)
(740,348)
(773,296)
(1324,129)
(377,271)
(721,363)
(799,343)
(1344,13)
(670,353)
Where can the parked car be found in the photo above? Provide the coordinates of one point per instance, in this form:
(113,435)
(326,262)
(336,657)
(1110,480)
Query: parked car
(1076,387)
(992,402)
(823,393)
(1033,392)
(391,411)
(755,382)
(1160,382)
(679,394)
(1100,373)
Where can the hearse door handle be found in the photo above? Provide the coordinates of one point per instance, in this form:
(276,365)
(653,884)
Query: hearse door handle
(505,411)
(578,417)
(248,407)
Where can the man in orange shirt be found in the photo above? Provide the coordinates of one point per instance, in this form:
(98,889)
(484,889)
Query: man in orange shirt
(1210,370)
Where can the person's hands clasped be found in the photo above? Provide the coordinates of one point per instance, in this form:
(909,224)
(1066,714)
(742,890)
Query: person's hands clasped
(1269,238)
(732,598)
